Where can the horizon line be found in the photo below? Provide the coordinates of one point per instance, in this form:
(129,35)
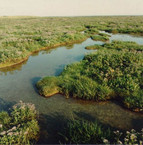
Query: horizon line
(68,16)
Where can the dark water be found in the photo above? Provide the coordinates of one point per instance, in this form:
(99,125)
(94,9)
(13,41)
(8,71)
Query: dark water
(18,83)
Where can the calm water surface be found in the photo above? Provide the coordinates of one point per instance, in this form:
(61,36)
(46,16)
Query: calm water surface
(18,83)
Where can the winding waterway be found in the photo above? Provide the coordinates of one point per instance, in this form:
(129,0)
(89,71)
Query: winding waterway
(18,83)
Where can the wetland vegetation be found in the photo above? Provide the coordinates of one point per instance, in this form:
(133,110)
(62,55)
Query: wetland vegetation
(114,71)
(20,36)
(20,125)
(87,132)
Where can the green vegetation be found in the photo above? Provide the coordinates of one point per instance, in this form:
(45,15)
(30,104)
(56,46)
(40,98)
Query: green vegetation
(85,132)
(21,36)
(49,88)
(19,126)
(129,25)
(92,47)
(91,31)
(99,38)
(115,71)
(104,34)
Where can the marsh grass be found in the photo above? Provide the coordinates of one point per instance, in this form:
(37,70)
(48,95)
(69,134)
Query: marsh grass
(21,36)
(113,72)
(20,125)
(92,31)
(99,38)
(92,47)
(49,86)
(85,132)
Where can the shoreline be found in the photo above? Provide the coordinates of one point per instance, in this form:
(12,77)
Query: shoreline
(20,61)
(120,103)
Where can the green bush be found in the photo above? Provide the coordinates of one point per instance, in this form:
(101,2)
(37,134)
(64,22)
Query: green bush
(20,125)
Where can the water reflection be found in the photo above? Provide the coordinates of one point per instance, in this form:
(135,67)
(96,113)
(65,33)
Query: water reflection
(11,70)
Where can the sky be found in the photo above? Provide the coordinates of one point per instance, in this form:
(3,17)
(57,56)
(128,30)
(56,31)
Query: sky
(70,7)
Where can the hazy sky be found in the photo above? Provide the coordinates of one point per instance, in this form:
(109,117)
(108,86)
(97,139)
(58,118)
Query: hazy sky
(70,7)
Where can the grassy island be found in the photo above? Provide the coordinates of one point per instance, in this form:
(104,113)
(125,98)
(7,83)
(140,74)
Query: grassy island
(115,71)
(100,37)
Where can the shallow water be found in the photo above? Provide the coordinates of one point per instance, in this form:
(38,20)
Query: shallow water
(18,83)
(125,37)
